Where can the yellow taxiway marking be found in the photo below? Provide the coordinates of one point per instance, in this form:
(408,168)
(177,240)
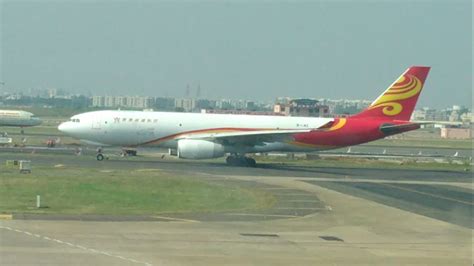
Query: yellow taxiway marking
(6,216)
(175,219)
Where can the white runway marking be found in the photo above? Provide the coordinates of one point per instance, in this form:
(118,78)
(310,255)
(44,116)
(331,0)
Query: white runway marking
(277,188)
(175,219)
(294,194)
(76,246)
(293,208)
(262,215)
(309,201)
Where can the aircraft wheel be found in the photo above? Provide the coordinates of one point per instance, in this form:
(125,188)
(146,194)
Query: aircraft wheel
(100,157)
(232,160)
(240,161)
(250,162)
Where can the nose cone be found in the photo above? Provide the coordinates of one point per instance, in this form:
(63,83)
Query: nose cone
(37,121)
(65,127)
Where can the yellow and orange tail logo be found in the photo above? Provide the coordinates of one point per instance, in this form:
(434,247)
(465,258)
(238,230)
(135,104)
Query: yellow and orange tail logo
(399,100)
(405,87)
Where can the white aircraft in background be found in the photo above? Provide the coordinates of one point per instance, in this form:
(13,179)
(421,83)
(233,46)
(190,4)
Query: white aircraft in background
(203,136)
(16,118)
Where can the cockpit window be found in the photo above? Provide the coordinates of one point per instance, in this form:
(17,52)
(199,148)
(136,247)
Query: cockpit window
(75,120)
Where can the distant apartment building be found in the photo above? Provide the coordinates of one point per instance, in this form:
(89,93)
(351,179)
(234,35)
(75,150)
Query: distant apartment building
(139,102)
(57,93)
(121,101)
(301,107)
(467,117)
(109,101)
(98,101)
(429,114)
(164,103)
(455,113)
(185,104)
(205,104)
(224,104)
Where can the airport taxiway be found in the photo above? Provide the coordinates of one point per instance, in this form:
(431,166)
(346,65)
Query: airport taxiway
(348,216)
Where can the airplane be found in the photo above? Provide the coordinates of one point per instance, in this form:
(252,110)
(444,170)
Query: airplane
(205,136)
(16,118)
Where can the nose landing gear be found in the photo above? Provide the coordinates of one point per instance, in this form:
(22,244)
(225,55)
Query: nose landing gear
(100,157)
(240,160)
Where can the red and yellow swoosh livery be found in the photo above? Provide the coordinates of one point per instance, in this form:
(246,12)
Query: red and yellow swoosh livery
(399,100)
(389,114)
(204,136)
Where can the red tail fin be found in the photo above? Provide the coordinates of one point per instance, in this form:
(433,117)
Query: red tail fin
(399,100)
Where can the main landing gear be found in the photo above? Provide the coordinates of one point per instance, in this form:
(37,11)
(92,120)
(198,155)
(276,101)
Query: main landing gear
(239,160)
(100,156)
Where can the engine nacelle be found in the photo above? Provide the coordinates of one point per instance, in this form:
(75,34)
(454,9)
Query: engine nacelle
(199,149)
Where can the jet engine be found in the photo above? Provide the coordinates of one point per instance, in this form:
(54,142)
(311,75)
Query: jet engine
(199,149)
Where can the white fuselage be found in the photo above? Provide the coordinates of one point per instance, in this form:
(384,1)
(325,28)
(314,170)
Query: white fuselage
(15,118)
(136,128)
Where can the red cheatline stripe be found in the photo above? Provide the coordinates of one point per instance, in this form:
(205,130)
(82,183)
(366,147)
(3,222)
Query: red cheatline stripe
(216,130)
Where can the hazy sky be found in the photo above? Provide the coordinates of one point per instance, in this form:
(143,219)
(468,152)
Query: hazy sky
(239,49)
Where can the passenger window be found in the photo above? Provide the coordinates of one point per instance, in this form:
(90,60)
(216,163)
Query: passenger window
(149,120)
(136,119)
(155,120)
(130,120)
(124,119)
(143,120)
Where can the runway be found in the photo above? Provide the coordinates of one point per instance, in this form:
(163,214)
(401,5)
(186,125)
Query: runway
(323,216)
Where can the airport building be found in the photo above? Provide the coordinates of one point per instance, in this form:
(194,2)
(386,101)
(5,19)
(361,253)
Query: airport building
(301,107)
(456,133)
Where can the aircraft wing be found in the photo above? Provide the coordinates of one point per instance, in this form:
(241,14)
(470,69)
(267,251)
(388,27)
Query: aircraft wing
(252,137)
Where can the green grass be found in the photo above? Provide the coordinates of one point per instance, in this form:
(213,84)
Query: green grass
(41,129)
(423,143)
(92,191)
(37,135)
